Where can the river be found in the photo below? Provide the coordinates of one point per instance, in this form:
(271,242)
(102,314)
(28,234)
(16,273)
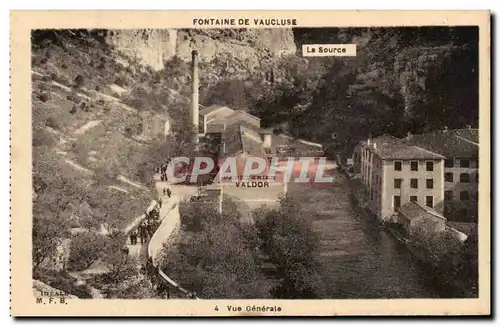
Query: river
(361,259)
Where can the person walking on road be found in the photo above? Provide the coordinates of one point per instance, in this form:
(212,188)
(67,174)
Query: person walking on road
(164,191)
(169,192)
(133,238)
(142,233)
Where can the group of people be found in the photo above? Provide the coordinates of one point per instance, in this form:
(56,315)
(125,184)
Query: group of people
(163,170)
(147,227)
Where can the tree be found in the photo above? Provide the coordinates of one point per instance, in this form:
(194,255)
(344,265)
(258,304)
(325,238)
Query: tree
(121,266)
(205,263)
(86,248)
(287,236)
(47,236)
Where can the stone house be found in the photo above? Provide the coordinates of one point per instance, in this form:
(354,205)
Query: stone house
(416,218)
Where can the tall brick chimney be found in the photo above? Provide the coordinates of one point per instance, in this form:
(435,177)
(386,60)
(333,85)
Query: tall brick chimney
(195,91)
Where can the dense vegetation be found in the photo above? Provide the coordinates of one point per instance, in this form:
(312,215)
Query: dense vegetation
(75,212)
(402,80)
(218,257)
(215,254)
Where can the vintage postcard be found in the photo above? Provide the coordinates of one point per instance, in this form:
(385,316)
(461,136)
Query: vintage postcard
(250,163)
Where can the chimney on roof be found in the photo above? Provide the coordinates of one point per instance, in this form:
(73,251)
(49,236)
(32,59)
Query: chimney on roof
(195,91)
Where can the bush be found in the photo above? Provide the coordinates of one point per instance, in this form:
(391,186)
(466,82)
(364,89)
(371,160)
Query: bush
(71,98)
(86,248)
(44,97)
(64,282)
(79,81)
(46,78)
(121,81)
(42,138)
(52,123)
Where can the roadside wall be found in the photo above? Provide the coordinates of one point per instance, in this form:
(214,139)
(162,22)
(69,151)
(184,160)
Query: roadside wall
(170,222)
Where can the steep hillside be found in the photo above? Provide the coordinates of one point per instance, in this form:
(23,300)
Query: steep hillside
(230,59)
(96,143)
(402,80)
(83,133)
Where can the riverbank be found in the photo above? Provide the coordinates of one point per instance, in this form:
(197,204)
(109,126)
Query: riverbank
(442,271)
(360,260)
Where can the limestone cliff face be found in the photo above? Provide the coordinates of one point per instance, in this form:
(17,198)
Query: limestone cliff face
(150,47)
(248,48)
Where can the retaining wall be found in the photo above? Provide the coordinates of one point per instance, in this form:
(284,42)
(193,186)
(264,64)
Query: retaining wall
(169,226)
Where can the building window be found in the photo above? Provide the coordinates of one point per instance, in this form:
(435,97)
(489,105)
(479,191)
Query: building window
(448,163)
(397,166)
(397,183)
(429,166)
(413,199)
(397,201)
(448,177)
(464,195)
(429,183)
(464,177)
(414,165)
(464,163)
(448,195)
(414,183)
(429,201)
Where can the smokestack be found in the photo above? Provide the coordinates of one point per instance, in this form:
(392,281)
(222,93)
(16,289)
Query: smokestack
(266,140)
(195,91)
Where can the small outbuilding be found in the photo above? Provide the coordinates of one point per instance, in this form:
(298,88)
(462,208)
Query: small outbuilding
(414,218)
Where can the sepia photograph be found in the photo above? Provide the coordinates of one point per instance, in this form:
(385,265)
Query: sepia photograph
(287,162)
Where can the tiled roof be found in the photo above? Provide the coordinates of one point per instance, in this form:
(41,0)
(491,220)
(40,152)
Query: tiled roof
(242,138)
(240,112)
(211,109)
(295,146)
(389,147)
(446,143)
(414,210)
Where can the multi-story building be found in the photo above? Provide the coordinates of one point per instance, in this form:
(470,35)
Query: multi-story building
(461,176)
(395,173)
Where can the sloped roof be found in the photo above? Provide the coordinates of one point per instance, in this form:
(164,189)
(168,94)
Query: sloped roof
(242,138)
(414,210)
(446,143)
(240,112)
(212,108)
(389,147)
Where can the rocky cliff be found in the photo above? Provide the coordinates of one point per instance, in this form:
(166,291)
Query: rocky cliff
(250,46)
